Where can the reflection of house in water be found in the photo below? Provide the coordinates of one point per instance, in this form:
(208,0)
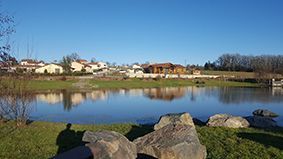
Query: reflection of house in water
(165,93)
(134,92)
(276,91)
(50,98)
(77,98)
(97,95)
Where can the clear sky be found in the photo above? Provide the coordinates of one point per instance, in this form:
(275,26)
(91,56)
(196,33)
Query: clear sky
(127,31)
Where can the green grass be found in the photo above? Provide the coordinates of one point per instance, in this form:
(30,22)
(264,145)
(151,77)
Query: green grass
(38,140)
(136,83)
(242,143)
(38,85)
(55,84)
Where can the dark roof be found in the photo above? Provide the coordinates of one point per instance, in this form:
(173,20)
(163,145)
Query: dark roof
(178,65)
(92,63)
(162,65)
(32,61)
(81,60)
(26,66)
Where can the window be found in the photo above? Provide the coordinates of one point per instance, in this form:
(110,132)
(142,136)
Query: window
(57,70)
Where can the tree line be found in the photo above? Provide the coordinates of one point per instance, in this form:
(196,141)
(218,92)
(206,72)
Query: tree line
(247,63)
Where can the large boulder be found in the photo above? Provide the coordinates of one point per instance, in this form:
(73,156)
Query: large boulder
(172,141)
(174,118)
(261,122)
(264,113)
(109,145)
(226,120)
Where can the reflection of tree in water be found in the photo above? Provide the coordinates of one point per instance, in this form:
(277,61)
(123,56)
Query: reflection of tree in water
(240,95)
(167,94)
(71,99)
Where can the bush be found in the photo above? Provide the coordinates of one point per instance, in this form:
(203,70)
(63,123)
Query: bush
(200,82)
(63,78)
(157,78)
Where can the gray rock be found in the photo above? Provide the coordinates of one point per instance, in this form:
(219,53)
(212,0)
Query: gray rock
(172,142)
(109,145)
(261,122)
(264,113)
(229,121)
(177,118)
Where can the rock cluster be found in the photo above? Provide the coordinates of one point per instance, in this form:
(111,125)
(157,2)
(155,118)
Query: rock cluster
(175,137)
(226,120)
(264,113)
(262,118)
(177,118)
(109,144)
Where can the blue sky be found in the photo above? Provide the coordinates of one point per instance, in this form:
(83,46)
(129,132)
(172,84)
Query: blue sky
(127,31)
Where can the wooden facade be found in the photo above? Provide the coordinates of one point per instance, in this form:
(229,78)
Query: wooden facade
(165,68)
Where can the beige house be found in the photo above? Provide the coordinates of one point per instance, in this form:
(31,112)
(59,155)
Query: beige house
(50,68)
(98,66)
(78,66)
(28,65)
(31,62)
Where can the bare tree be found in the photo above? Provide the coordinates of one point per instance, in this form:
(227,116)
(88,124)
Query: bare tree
(7,27)
(261,64)
(16,101)
(67,60)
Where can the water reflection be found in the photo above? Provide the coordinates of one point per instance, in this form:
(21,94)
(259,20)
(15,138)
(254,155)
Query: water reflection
(226,95)
(146,105)
(167,94)
(235,95)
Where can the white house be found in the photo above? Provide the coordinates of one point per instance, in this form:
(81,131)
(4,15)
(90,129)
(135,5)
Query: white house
(95,66)
(50,68)
(29,65)
(82,61)
(31,62)
(77,66)
(135,69)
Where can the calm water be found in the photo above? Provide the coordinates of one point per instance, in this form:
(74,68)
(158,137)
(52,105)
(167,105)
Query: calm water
(147,105)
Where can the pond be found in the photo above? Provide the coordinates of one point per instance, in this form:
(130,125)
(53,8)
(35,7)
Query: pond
(145,106)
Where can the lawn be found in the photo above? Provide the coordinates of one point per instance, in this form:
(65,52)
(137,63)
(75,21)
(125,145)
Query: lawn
(38,140)
(38,85)
(137,83)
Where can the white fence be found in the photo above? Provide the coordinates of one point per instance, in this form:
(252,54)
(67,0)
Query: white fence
(151,75)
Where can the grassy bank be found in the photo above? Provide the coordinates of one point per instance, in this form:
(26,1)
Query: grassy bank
(136,83)
(38,140)
(130,83)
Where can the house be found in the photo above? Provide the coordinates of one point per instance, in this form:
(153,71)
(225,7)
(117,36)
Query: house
(26,68)
(77,66)
(135,69)
(98,66)
(196,72)
(31,62)
(82,61)
(166,68)
(80,66)
(3,67)
(88,68)
(180,69)
(28,65)
(50,68)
